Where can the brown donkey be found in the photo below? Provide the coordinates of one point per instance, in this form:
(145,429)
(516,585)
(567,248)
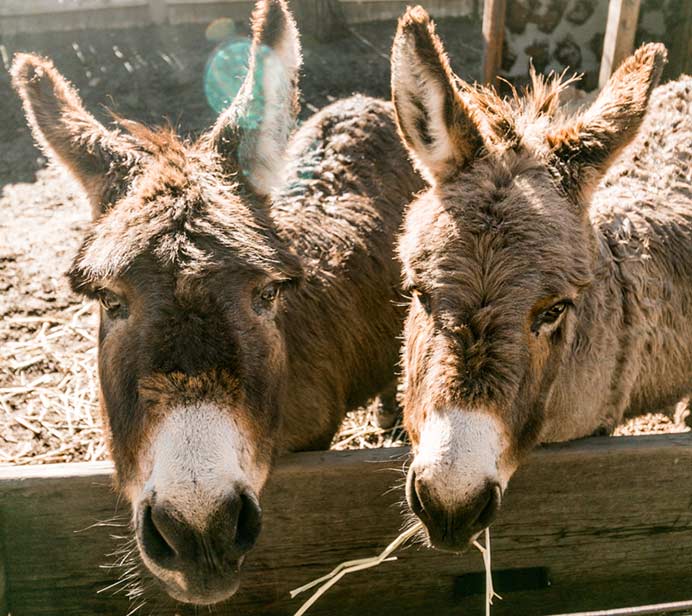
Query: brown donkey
(546,307)
(244,308)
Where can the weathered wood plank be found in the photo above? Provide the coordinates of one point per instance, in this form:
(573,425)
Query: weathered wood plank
(607,522)
(158,11)
(46,15)
(620,31)
(360,11)
(493,38)
(120,17)
(677,607)
(38,7)
(680,52)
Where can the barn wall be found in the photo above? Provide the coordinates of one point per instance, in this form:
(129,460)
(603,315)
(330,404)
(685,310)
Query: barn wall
(569,33)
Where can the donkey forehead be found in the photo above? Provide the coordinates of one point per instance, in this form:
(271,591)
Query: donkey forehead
(498,219)
(189,229)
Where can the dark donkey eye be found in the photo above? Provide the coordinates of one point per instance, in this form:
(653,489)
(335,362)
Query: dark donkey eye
(270,292)
(266,297)
(551,315)
(112,303)
(423,298)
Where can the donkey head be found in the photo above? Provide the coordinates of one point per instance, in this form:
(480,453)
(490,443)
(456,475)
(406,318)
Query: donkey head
(189,275)
(496,255)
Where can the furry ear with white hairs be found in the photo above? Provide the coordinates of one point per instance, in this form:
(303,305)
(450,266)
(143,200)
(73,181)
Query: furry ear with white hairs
(251,135)
(583,150)
(435,122)
(97,157)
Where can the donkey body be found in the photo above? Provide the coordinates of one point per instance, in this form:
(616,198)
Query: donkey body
(641,317)
(340,210)
(244,307)
(546,306)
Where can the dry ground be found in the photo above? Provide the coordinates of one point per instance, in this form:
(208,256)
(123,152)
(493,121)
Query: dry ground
(48,399)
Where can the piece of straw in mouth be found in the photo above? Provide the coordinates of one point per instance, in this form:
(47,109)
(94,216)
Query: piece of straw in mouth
(351,566)
(490,593)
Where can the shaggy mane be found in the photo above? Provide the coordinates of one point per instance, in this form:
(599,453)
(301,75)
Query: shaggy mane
(505,117)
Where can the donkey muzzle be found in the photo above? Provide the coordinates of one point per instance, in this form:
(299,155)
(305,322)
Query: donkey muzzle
(453,526)
(196,564)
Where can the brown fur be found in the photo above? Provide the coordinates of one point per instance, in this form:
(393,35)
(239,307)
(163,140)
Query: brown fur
(516,230)
(188,241)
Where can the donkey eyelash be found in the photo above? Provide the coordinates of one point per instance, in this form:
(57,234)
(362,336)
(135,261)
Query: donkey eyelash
(552,316)
(422,296)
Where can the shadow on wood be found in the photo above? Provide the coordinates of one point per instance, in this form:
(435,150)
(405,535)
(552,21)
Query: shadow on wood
(593,524)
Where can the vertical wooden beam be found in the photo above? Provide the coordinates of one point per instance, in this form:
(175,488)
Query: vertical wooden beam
(619,36)
(680,52)
(158,11)
(493,37)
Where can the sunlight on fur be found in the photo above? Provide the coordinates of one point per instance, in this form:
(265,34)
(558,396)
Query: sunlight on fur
(351,566)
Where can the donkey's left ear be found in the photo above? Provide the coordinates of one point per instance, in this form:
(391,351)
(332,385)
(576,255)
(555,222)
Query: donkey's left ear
(251,135)
(583,150)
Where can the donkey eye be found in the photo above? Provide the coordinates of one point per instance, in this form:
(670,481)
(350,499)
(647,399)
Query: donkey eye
(265,298)
(112,304)
(423,299)
(550,316)
(270,292)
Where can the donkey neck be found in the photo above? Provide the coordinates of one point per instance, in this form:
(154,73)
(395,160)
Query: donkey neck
(631,331)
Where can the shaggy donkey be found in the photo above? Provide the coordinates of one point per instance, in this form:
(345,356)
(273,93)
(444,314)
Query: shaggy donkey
(546,307)
(241,316)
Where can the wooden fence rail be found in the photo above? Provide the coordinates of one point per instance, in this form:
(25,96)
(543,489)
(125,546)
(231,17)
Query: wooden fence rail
(44,15)
(591,525)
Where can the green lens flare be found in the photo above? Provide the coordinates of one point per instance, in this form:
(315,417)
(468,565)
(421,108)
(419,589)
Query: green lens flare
(225,72)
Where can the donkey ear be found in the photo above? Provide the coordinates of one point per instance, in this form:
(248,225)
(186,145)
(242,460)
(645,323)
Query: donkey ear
(585,148)
(251,135)
(98,158)
(434,121)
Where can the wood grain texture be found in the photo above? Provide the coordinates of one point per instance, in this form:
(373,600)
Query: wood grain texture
(680,52)
(493,38)
(607,522)
(620,31)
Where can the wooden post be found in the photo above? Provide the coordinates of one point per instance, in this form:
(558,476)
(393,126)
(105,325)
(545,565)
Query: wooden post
(619,36)
(680,52)
(493,37)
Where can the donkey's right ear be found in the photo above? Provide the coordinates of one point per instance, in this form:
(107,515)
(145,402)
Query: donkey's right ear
(96,157)
(251,135)
(434,121)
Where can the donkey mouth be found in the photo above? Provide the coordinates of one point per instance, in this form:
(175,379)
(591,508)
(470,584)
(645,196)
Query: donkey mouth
(202,591)
(202,585)
(197,566)
(453,527)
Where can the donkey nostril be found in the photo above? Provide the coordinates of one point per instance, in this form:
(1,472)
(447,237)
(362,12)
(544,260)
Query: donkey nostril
(493,496)
(412,494)
(249,522)
(153,540)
